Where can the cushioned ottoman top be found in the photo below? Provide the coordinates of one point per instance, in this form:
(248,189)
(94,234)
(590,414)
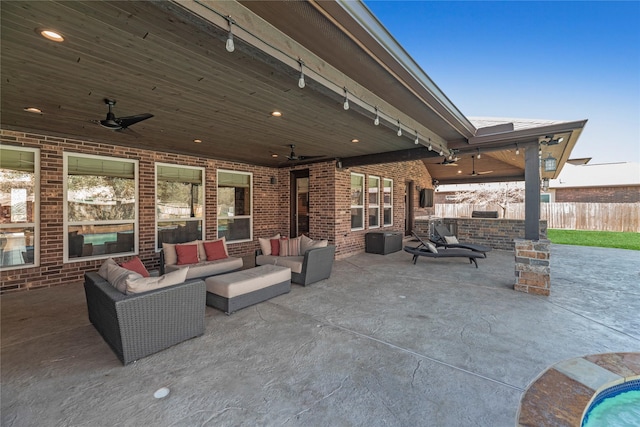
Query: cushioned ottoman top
(245,281)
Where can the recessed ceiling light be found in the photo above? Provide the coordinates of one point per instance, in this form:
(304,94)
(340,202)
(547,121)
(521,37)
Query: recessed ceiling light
(274,155)
(276,113)
(459,171)
(197,141)
(33,110)
(355,140)
(50,35)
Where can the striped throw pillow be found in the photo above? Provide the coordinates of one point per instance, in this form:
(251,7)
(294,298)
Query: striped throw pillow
(290,247)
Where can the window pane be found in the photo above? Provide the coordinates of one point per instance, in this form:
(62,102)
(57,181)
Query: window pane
(234,205)
(374,191)
(357,218)
(387,216)
(16,246)
(18,206)
(17,183)
(234,229)
(179,200)
(100,195)
(90,240)
(387,191)
(374,217)
(357,185)
(178,232)
(101,206)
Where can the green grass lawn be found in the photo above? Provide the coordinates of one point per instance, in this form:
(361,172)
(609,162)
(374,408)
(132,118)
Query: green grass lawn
(603,239)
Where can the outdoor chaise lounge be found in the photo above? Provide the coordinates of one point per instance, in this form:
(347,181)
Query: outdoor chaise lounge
(428,250)
(443,237)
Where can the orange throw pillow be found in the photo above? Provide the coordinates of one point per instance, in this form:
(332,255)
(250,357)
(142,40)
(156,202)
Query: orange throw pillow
(134,264)
(187,254)
(215,250)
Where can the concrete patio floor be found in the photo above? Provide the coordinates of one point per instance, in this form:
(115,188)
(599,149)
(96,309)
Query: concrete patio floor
(381,343)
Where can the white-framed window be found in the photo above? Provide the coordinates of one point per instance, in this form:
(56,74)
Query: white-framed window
(357,201)
(179,204)
(100,206)
(19,207)
(387,200)
(374,201)
(235,205)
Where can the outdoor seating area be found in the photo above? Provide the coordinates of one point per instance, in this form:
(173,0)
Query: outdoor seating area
(376,344)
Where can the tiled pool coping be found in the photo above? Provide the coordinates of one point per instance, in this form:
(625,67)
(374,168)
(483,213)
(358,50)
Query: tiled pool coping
(561,394)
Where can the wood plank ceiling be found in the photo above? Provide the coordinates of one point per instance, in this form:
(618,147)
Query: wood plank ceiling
(160,58)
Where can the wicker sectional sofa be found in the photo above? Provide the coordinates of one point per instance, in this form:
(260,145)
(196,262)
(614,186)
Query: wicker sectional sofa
(139,325)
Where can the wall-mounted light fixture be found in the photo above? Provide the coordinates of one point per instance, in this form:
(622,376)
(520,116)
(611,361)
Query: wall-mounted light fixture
(273,180)
(545,184)
(550,163)
(338,164)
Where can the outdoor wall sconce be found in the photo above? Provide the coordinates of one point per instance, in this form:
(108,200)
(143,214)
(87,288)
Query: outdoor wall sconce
(273,180)
(338,164)
(545,184)
(550,163)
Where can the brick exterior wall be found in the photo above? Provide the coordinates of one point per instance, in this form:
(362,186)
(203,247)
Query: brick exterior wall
(329,202)
(495,233)
(622,194)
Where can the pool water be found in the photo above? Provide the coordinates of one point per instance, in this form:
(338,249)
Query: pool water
(617,409)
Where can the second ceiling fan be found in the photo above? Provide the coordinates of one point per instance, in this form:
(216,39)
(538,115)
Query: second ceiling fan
(473,168)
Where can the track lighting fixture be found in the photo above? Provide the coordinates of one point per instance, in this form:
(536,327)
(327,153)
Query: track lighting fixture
(417,141)
(229,45)
(301,83)
(399,129)
(376,121)
(346,100)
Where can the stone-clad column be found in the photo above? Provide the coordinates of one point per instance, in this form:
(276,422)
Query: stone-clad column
(532,266)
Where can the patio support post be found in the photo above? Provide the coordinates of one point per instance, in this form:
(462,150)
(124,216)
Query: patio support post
(531,193)
(532,254)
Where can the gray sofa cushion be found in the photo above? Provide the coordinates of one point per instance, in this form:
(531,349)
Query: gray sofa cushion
(293,262)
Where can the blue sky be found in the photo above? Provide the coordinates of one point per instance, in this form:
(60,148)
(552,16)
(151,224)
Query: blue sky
(539,60)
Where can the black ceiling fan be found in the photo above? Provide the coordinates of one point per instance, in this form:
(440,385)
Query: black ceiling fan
(120,123)
(447,162)
(294,157)
(473,172)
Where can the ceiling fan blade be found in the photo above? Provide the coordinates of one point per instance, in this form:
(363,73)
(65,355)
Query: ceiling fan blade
(125,122)
(484,172)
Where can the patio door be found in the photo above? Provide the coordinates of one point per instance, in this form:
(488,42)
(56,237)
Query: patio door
(408,207)
(299,203)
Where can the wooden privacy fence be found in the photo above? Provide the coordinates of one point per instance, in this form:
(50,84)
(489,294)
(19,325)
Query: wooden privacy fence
(572,216)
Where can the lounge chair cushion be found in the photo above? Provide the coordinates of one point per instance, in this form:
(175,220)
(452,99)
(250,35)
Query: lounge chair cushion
(451,239)
(431,248)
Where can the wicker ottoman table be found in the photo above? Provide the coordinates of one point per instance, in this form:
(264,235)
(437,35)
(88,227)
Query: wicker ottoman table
(233,291)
